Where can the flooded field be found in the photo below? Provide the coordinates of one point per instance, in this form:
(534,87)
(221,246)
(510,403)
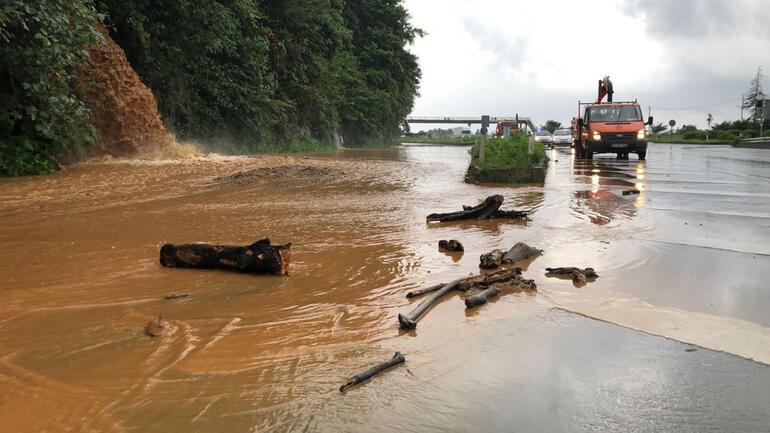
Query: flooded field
(673,336)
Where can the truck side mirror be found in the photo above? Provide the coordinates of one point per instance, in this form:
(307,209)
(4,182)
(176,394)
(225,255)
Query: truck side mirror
(649,120)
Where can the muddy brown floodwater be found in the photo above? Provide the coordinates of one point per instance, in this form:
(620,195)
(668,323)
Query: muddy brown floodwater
(674,335)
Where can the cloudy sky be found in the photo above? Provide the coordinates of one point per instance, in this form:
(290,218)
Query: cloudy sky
(684,58)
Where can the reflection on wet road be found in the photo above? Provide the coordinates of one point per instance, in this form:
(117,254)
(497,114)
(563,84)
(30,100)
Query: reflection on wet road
(688,258)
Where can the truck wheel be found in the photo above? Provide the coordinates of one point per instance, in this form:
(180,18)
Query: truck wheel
(642,155)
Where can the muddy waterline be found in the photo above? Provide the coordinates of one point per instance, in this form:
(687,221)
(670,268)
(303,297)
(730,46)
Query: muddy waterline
(688,259)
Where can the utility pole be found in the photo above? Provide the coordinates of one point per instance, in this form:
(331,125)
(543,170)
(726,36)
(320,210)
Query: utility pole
(742,102)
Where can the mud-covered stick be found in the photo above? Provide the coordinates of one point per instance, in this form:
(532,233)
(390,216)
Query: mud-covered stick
(409,320)
(420,292)
(398,358)
(481,297)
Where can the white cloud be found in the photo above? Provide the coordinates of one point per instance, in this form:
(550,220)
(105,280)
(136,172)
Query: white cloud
(538,58)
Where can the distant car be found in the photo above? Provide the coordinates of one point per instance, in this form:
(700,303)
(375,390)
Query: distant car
(543,137)
(562,136)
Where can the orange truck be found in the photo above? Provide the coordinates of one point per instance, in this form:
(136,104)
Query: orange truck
(610,127)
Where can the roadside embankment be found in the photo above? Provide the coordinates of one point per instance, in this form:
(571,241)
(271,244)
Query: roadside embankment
(508,160)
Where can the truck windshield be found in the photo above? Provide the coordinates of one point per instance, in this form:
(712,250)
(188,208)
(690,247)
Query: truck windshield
(615,113)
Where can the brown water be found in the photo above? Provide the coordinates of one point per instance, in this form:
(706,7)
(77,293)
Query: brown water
(688,259)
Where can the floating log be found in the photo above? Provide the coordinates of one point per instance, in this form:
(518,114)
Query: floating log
(155,327)
(398,358)
(517,253)
(481,297)
(488,209)
(450,245)
(429,289)
(579,276)
(409,320)
(177,295)
(257,258)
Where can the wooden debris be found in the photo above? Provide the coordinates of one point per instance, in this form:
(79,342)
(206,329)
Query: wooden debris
(491,260)
(398,358)
(409,320)
(579,276)
(489,208)
(481,297)
(450,245)
(177,295)
(258,258)
(429,289)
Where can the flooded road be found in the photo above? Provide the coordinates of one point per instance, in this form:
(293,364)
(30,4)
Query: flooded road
(687,259)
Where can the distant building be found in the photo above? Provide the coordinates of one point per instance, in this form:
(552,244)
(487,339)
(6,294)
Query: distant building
(457,132)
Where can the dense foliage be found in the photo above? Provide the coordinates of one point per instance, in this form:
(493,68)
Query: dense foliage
(245,75)
(264,75)
(40,43)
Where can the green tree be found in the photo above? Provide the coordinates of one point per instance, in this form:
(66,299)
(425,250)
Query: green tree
(551,126)
(753,96)
(41,42)
(659,128)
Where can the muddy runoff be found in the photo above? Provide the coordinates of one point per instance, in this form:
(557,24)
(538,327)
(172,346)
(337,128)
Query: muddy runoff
(683,269)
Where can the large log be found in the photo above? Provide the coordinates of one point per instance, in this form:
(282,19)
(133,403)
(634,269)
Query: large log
(409,320)
(488,209)
(481,297)
(429,289)
(257,258)
(398,358)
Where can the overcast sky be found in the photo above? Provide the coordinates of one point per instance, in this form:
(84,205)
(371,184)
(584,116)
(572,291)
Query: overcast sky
(684,58)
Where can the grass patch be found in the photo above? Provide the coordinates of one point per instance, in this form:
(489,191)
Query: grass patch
(508,152)
(683,139)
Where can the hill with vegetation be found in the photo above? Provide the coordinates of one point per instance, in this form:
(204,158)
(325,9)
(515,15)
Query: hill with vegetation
(235,76)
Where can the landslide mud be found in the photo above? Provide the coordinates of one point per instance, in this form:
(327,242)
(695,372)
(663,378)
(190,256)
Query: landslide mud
(687,258)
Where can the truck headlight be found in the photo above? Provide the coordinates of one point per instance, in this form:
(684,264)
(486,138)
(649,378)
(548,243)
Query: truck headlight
(640,135)
(596,136)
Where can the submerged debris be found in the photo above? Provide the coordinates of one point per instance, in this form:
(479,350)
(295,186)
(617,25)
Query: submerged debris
(579,276)
(450,245)
(488,209)
(506,279)
(155,327)
(398,358)
(517,253)
(177,295)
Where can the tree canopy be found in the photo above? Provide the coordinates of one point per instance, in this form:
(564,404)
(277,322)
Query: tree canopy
(551,126)
(245,75)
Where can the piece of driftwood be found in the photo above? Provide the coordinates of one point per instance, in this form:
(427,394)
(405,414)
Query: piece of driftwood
(489,208)
(496,258)
(155,327)
(579,276)
(481,297)
(177,295)
(409,320)
(258,258)
(468,283)
(450,245)
(398,358)
(429,289)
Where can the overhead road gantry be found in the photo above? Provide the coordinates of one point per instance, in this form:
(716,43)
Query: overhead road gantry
(522,121)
